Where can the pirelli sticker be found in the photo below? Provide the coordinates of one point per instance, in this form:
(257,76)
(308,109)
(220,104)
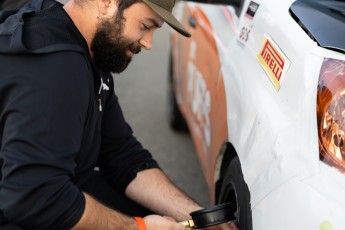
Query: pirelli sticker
(273,61)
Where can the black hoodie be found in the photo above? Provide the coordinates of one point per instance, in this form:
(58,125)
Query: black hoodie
(59,118)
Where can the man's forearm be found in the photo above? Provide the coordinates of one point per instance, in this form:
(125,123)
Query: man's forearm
(153,189)
(98,216)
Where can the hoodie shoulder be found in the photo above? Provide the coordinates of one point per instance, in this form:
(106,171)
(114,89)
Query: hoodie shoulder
(11,5)
(41,26)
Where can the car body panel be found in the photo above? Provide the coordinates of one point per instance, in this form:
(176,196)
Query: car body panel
(272,125)
(204,81)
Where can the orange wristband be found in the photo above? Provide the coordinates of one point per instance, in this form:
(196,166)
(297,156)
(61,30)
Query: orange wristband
(141,223)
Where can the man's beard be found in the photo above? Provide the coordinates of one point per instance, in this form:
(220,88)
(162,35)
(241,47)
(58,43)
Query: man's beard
(109,47)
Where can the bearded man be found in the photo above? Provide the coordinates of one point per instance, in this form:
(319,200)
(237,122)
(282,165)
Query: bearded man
(60,119)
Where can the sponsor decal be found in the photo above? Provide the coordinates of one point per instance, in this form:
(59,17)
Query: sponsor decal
(273,61)
(252,8)
(326,225)
(200,100)
(247,23)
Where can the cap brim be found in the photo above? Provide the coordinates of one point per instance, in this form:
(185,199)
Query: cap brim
(168,18)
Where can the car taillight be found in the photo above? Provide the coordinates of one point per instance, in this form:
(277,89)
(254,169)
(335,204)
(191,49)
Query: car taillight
(331,113)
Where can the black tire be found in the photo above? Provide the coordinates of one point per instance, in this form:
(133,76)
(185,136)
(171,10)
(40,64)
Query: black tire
(235,189)
(175,117)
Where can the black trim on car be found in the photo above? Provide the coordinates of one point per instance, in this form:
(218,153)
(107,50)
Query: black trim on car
(323,21)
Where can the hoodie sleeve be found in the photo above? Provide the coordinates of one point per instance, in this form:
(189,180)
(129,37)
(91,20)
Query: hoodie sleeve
(42,115)
(122,155)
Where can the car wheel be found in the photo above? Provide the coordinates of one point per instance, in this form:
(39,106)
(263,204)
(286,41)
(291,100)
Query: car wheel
(175,117)
(235,189)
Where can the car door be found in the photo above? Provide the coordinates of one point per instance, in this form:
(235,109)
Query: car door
(199,85)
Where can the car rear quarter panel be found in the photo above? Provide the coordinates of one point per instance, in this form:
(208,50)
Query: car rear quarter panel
(275,131)
(268,126)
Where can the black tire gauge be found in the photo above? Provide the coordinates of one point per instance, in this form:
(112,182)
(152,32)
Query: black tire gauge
(210,216)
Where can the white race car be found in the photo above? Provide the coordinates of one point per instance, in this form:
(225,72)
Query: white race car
(260,85)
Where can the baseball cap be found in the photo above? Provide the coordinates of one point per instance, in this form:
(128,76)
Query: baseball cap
(164,9)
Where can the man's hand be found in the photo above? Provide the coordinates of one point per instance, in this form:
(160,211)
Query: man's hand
(171,201)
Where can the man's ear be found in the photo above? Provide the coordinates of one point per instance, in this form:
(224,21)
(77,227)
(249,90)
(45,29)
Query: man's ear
(105,7)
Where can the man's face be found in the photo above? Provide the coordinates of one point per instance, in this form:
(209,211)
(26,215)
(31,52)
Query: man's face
(110,48)
(118,38)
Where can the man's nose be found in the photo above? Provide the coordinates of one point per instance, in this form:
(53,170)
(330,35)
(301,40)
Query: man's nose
(146,40)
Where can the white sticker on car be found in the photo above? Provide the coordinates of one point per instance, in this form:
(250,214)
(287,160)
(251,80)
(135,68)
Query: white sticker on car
(247,23)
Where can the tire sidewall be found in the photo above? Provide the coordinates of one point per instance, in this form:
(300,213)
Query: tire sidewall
(234,181)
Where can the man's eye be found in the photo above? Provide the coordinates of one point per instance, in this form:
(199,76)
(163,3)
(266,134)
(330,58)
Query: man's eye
(145,27)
